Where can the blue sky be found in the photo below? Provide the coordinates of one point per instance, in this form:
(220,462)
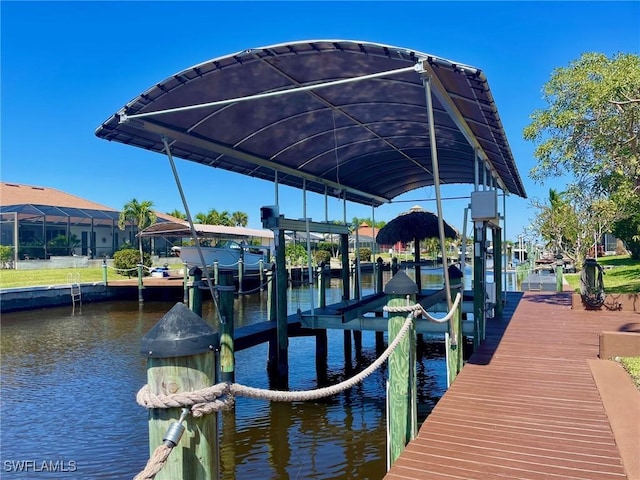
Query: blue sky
(67,66)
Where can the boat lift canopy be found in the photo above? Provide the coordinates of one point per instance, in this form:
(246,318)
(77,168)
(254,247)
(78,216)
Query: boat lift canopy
(183,230)
(343,118)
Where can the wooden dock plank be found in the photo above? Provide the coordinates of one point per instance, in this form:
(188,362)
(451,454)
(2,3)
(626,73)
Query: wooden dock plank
(526,405)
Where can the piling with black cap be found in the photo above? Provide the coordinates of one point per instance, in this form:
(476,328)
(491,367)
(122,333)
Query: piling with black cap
(401,396)
(180,351)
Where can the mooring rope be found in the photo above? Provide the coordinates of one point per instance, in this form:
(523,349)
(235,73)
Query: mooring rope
(156,462)
(417,309)
(259,287)
(208,400)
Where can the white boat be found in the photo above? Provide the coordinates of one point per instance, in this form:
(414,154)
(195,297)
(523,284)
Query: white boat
(227,254)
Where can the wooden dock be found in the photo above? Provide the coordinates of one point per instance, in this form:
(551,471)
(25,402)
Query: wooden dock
(534,402)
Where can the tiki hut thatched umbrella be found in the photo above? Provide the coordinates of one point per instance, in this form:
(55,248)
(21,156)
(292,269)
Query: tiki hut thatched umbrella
(415,225)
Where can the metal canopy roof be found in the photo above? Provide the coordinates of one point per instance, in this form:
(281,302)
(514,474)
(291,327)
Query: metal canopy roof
(182,229)
(54,214)
(367,140)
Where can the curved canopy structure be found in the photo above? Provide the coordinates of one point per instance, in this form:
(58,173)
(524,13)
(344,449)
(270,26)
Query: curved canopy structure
(344,118)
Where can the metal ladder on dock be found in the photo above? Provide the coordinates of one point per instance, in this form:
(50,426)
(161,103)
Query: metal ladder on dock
(76,290)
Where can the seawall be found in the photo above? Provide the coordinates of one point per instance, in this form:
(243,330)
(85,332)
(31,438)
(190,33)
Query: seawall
(27,298)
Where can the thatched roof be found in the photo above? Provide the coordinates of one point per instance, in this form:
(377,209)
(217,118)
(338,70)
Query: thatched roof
(417,223)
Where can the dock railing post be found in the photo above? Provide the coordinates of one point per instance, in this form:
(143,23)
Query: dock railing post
(227,352)
(261,274)
(195,294)
(240,274)
(401,389)
(185,284)
(180,351)
(140,284)
(559,272)
(379,286)
(282,334)
(104,271)
(272,314)
(322,345)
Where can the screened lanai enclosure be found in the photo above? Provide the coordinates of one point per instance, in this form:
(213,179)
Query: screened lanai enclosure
(45,231)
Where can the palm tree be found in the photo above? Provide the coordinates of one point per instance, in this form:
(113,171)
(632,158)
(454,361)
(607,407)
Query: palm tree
(139,214)
(213,217)
(178,214)
(201,218)
(239,219)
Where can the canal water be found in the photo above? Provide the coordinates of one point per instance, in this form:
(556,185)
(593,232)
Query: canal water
(68,409)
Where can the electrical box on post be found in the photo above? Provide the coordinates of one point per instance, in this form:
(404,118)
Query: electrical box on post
(484,206)
(269,216)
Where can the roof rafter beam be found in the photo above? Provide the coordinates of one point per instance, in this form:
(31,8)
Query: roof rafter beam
(247,157)
(352,118)
(445,100)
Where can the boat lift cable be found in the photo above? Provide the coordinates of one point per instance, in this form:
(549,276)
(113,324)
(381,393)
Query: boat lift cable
(192,227)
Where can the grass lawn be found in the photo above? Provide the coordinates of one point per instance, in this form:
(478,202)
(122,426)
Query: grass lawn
(632,366)
(623,276)
(54,276)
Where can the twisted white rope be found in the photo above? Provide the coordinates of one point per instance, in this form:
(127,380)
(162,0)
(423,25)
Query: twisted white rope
(417,309)
(207,400)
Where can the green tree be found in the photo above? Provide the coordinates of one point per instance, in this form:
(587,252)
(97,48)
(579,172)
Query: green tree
(557,223)
(141,215)
(295,254)
(178,214)
(239,219)
(590,131)
(356,222)
(214,217)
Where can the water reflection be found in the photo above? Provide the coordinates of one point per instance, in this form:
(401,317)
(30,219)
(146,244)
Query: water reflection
(69,384)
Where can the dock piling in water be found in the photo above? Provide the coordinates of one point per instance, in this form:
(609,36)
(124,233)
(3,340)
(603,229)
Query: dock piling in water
(401,391)
(180,351)
(227,352)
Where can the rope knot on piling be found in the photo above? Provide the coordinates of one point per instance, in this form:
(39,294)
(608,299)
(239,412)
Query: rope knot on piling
(200,402)
(417,309)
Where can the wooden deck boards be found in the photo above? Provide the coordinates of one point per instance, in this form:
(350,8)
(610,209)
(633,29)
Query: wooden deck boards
(526,405)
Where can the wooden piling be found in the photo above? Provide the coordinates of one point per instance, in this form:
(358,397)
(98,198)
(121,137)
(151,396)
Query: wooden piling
(261,274)
(104,272)
(559,272)
(282,377)
(227,352)
(185,284)
(401,392)
(140,284)
(379,287)
(195,293)
(322,344)
(181,358)
(272,314)
(455,345)
(240,275)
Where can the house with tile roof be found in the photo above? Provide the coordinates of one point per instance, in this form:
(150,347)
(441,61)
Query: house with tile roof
(45,222)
